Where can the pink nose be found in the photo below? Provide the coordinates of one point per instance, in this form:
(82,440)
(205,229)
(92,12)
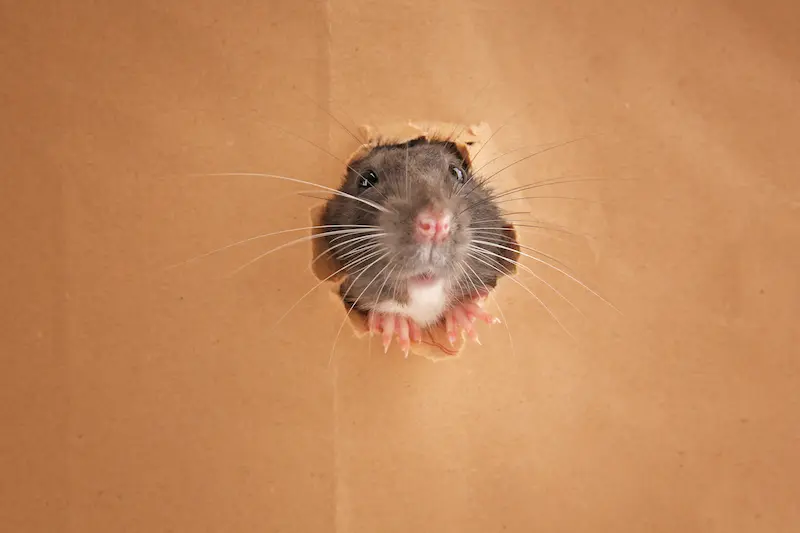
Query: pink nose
(433,225)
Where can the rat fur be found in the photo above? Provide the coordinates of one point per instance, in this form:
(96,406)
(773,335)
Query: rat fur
(383,269)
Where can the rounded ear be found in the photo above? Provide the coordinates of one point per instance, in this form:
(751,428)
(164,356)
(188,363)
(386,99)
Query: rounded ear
(461,151)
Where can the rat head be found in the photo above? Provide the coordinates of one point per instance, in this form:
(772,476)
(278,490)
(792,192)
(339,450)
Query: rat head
(422,200)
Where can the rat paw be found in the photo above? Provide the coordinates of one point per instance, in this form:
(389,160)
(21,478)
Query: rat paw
(463,315)
(389,325)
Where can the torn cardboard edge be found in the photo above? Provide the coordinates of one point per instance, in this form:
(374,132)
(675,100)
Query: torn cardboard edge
(469,140)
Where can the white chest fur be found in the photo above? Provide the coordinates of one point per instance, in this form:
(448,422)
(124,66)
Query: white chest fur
(426,303)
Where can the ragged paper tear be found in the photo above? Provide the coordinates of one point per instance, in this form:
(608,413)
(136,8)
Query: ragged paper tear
(470,140)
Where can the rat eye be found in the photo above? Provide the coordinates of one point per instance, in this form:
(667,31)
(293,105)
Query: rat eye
(367,179)
(457,173)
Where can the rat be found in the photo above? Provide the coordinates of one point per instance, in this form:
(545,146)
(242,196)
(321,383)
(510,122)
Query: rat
(428,241)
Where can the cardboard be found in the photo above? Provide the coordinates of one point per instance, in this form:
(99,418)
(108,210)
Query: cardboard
(141,399)
(470,140)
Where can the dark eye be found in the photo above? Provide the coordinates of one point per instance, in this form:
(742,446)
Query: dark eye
(458,174)
(367,179)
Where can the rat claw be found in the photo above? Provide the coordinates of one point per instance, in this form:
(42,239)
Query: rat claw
(390,325)
(388,332)
(449,322)
(415,331)
(372,325)
(473,309)
(464,321)
(463,316)
(403,334)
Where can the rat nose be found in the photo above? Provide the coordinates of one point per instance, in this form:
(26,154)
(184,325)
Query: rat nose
(433,225)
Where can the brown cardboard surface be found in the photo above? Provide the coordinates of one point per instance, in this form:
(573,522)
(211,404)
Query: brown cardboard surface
(140,398)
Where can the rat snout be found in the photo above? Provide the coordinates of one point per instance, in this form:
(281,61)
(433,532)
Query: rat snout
(433,224)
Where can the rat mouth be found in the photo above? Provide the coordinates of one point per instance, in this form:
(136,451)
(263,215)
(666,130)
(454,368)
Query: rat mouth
(425,278)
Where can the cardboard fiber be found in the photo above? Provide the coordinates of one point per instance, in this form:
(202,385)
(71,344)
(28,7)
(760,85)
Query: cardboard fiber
(470,140)
(140,399)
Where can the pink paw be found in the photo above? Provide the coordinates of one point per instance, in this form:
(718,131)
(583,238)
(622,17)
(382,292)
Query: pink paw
(389,325)
(463,315)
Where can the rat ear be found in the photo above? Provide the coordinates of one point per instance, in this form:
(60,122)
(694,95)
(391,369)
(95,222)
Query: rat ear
(415,142)
(460,151)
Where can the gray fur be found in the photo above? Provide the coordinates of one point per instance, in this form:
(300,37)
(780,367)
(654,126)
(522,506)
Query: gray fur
(410,177)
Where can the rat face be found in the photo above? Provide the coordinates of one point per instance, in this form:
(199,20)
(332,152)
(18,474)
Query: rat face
(432,207)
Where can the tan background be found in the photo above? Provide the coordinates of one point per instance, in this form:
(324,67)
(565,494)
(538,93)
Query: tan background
(143,400)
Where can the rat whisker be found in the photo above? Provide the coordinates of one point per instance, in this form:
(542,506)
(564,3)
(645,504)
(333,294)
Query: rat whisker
(338,238)
(542,261)
(460,264)
(351,242)
(305,194)
(520,224)
(291,243)
(362,209)
(489,234)
(310,194)
(587,200)
(396,284)
(518,221)
(532,273)
(530,230)
(541,183)
(509,224)
(452,135)
(503,125)
(264,236)
(351,264)
(359,249)
(478,170)
(319,106)
(512,213)
(565,178)
(315,145)
(461,287)
(505,219)
(378,299)
(362,269)
(550,227)
(526,288)
(495,193)
(492,160)
(499,309)
(347,315)
(407,182)
(560,180)
(295,180)
(538,152)
(345,113)
(484,181)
